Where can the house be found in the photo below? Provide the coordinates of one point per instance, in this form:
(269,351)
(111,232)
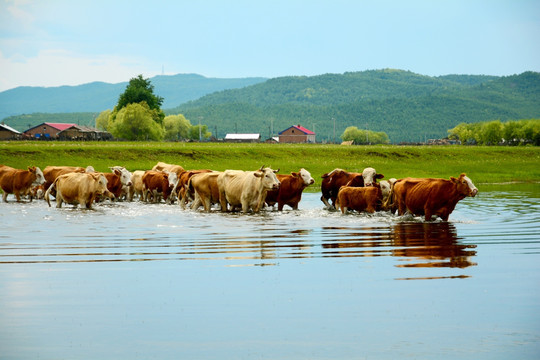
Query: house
(47,130)
(8,133)
(245,138)
(297,134)
(80,132)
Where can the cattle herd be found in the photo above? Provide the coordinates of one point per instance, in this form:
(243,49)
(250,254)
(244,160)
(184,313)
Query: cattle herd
(234,190)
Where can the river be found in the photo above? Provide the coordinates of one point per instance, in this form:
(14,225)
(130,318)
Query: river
(151,281)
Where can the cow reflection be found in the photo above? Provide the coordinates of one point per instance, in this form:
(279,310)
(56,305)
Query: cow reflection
(437,244)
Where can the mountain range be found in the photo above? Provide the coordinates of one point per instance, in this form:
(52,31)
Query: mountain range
(409,107)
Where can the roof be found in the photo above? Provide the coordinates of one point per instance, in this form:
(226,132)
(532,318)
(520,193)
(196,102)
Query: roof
(57,126)
(9,128)
(82,128)
(242,136)
(60,126)
(301,128)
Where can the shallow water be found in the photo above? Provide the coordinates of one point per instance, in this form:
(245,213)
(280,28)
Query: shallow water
(142,281)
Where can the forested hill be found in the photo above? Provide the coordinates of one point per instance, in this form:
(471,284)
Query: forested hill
(407,106)
(99,96)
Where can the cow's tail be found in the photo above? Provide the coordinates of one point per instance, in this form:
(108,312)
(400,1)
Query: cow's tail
(48,192)
(388,204)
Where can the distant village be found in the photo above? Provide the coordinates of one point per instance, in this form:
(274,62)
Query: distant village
(75,132)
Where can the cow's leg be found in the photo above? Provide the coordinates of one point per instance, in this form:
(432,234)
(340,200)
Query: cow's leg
(17,195)
(58,200)
(4,196)
(325,201)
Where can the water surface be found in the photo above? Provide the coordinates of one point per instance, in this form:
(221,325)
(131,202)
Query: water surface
(143,281)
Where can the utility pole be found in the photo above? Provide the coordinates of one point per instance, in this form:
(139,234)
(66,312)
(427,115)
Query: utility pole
(334,119)
(200,131)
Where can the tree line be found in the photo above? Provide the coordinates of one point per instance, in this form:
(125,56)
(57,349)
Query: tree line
(518,132)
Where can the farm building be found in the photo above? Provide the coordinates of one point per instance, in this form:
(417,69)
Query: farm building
(249,138)
(8,133)
(80,132)
(297,134)
(47,130)
(66,131)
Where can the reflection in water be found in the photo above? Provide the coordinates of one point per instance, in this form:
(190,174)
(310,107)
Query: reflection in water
(435,244)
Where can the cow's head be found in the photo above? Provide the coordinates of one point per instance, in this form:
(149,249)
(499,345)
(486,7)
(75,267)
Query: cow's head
(268,178)
(464,185)
(40,179)
(305,176)
(101,184)
(370,176)
(173,178)
(123,174)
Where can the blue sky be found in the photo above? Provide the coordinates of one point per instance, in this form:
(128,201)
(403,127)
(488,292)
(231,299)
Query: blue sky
(71,42)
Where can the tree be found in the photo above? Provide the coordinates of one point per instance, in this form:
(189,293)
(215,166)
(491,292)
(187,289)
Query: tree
(102,121)
(177,127)
(364,136)
(140,90)
(136,122)
(194,132)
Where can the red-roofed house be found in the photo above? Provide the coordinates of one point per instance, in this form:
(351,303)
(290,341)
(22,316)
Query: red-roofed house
(297,134)
(47,130)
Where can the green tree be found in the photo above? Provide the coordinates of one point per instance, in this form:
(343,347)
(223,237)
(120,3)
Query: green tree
(364,136)
(490,133)
(177,127)
(194,132)
(136,122)
(140,90)
(102,121)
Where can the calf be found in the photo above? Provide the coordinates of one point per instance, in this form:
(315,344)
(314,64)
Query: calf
(359,198)
(337,178)
(19,182)
(183,193)
(290,190)
(205,188)
(117,180)
(158,183)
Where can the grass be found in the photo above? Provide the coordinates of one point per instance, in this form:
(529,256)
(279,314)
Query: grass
(482,164)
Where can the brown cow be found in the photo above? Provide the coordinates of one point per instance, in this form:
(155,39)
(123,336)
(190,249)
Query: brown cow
(359,198)
(290,190)
(398,192)
(337,178)
(438,196)
(52,172)
(117,180)
(78,188)
(158,183)
(183,193)
(206,189)
(19,182)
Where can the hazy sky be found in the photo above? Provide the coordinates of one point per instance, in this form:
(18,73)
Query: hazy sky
(70,42)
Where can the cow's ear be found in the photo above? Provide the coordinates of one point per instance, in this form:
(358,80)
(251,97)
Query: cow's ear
(379,176)
(258,173)
(117,172)
(295,174)
(275,171)
(453,179)
(32,168)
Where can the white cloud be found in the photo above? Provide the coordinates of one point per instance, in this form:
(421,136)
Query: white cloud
(61,67)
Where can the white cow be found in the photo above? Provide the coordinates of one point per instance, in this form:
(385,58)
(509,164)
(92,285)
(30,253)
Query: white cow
(246,188)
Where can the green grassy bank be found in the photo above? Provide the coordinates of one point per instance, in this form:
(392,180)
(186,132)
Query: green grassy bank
(481,163)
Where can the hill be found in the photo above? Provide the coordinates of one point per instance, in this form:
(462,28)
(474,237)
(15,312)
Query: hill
(409,107)
(99,96)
